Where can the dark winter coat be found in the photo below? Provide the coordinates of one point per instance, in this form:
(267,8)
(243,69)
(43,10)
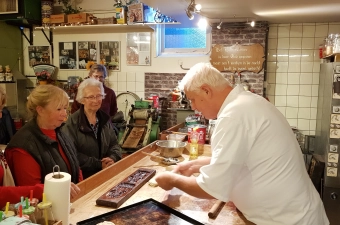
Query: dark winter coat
(45,151)
(90,149)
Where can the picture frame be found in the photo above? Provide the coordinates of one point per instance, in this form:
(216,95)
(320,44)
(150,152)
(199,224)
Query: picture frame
(9,6)
(67,55)
(87,54)
(110,54)
(38,55)
(138,50)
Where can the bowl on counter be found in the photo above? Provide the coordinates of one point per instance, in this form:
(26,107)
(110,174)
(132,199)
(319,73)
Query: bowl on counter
(170,148)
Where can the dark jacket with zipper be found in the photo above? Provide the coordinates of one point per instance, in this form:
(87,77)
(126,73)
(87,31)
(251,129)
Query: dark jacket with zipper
(45,151)
(91,149)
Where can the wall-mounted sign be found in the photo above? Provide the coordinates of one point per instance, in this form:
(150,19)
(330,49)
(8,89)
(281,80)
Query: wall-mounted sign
(238,58)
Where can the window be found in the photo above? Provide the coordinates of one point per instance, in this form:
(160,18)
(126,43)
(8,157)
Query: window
(183,39)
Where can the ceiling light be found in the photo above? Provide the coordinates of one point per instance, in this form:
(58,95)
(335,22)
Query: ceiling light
(219,25)
(198,7)
(193,8)
(202,23)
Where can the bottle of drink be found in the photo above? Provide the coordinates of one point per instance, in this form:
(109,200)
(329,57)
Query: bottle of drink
(193,144)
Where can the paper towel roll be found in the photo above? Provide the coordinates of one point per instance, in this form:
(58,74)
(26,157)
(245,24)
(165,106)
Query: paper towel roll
(57,190)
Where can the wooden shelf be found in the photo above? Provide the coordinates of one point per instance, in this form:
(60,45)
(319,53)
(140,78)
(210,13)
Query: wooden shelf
(333,58)
(104,28)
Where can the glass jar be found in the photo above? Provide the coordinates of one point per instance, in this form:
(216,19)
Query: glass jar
(336,44)
(45,215)
(329,46)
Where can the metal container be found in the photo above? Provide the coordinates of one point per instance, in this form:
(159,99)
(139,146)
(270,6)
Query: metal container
(175,137)
(171,148)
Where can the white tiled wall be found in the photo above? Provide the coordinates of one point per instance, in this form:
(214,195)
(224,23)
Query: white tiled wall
(127,81)
(293,70)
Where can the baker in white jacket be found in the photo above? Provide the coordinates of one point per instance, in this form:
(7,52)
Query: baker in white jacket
(256,161)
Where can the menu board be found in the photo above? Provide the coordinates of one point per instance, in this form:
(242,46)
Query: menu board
(238,58)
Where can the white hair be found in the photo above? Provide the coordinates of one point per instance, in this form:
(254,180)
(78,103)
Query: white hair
(203,73)
(90,82)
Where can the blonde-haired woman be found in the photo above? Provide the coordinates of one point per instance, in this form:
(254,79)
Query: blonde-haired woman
(40,145)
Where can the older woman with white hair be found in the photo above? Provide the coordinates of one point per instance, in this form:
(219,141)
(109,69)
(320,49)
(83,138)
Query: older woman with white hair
(109,103)
(91,130)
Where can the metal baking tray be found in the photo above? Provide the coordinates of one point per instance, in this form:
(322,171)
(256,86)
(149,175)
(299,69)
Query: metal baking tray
(145,212)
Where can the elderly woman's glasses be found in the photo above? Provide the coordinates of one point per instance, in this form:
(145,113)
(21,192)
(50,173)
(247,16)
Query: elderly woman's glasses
(92,97)
(98,77)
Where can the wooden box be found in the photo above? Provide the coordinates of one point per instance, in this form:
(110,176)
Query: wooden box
(59,18)
(77,18)
(108,20)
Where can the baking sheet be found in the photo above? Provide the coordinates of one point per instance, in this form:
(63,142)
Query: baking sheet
(145,212)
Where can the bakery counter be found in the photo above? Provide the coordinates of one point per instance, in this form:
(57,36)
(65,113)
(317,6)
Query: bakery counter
(84,207)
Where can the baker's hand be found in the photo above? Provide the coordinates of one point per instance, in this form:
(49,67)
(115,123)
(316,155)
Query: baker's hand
(165,180)
(106,162)
(184,168)
(190,167)
(74,190)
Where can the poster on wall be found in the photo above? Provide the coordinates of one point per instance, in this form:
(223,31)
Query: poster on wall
(67,55)
(39,55)
(8,6)
(87,54)
(110,54)
(138,49)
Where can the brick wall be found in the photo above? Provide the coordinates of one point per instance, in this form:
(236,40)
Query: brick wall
(229,34)
(243,34)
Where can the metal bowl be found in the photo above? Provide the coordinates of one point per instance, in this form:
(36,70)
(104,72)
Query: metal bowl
(175,137)
(171,148)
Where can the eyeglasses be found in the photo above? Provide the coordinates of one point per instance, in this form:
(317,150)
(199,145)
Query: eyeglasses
(92,97)
(98,77)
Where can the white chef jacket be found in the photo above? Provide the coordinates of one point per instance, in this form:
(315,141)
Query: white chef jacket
(257,163)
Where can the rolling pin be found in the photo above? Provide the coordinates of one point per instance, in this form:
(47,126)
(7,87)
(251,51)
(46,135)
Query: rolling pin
(215,209)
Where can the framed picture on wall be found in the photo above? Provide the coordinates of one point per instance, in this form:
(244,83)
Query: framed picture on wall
(87,54)
(138,49)
(67,55)
(110,54)
(9,6)
(39,55)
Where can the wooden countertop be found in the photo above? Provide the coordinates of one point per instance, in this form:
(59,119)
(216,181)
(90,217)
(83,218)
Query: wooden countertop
(85,207)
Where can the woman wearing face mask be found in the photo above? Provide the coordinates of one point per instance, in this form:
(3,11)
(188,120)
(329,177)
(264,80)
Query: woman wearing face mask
(40,144)
(91,130)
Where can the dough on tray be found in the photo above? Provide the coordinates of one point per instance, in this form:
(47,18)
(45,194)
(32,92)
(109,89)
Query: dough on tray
(106,223)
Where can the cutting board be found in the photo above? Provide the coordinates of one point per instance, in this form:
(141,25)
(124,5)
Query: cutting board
(117,195)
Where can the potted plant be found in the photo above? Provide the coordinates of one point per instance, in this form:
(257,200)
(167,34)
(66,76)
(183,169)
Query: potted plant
(68,7)
(43,76)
